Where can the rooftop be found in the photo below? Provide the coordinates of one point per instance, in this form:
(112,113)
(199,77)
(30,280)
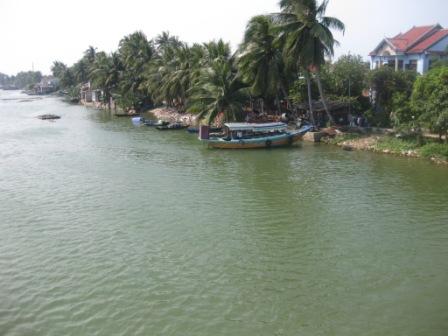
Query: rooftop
(416,39)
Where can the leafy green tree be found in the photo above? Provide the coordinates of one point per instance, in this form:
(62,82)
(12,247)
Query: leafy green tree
(391,90)
(346,81)
(429,100)
(349,72)
(308,39)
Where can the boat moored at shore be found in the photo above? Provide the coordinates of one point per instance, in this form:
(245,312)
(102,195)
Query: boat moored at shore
(249,135)
(171,127)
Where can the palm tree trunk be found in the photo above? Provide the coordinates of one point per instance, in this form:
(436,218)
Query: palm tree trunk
(321,92)
(310,101)
(108,100)
(285,93)
(277,100)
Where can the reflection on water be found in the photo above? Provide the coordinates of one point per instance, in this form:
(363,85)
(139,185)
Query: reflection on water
(108,229)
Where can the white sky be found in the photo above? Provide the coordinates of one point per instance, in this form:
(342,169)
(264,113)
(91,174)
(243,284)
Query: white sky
(41,31)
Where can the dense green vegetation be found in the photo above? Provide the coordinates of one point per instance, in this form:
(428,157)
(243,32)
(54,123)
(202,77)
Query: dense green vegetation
(281,64)
(209,78)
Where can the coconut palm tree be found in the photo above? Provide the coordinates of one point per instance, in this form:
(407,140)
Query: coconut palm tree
(90,54)
(260,61)
(308,38)
(63,73)
(218,90)
(106,72)
(135,52)
(58,68)
(216,50)
(169,76)
(166,40)
(81,71)
(185,69)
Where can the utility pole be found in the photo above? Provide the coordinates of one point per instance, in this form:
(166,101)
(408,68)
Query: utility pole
(349,97)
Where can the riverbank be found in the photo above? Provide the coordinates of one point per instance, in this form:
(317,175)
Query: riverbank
(388,144)
(173,116)
(168,114)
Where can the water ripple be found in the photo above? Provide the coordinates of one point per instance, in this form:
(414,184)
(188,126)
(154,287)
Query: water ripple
(109,229)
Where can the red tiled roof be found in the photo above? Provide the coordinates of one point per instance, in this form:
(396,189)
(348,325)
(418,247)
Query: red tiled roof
(426,43)
(404,41)
(417,39)
(400,44)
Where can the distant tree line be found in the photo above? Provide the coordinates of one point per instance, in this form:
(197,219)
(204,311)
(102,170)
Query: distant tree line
(22,80)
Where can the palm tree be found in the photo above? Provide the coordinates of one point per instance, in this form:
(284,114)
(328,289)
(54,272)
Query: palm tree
(58,68)
(63,73)
(214,51)
(184,70)
(135,52)
(308,38)
(81,71)
(170,75)
(166,40)
(260,61)
(218,90)
(106,72)
(90,54)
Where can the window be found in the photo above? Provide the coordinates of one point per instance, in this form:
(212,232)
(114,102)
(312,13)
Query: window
(412,65)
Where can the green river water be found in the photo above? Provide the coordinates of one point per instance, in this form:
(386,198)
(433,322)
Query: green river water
(111,229)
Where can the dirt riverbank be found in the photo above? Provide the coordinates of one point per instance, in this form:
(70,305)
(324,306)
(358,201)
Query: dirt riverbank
(386,144)
(172,115)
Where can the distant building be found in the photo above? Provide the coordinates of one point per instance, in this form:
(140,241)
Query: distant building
(90,95)
(47,84)
(414,50)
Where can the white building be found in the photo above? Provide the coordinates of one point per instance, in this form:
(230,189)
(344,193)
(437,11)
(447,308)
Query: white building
(414,50)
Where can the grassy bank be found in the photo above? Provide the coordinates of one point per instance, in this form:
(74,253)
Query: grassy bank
(387,144)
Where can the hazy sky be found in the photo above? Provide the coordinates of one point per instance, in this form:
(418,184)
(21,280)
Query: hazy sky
(41,31)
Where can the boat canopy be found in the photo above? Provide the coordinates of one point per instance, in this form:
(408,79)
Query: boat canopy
(265,127)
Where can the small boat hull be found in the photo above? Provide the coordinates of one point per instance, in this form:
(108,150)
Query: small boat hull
(153,123)
(211,130)
(282,140)
(171,127)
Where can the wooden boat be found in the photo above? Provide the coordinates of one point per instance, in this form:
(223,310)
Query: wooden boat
(127,114)
(212,129)
(171,127)
(249,135)
(149,122)
(49,117)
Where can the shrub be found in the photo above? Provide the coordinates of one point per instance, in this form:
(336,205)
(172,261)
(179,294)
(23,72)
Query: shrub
(436,150)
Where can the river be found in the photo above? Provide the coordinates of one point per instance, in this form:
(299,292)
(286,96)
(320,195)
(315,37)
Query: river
(111,229)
